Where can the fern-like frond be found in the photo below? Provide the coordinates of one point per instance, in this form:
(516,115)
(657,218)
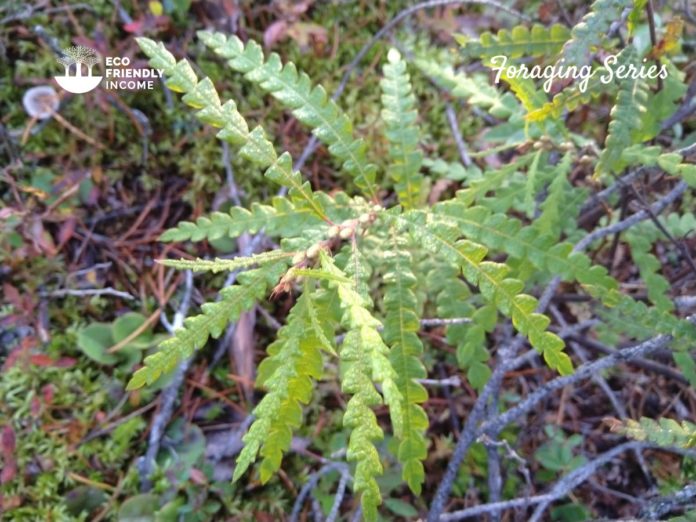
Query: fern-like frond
(401,326)
(499,231)
(517,42)
(400,115)
(491,278)
(653,156)
(662,103)
(453,170)
(279,219)
(365,361)
(526,91)
(275,219)
(637,319)
(253,145)
(572,97)
(477,189)
(226,265)
(309,104)
(625,119)
(556,210)
(663,432)
(475,89)
(640,321)
(454,299)
(251,286)
(592,30)
(294,361)
(649,266)
(603,81)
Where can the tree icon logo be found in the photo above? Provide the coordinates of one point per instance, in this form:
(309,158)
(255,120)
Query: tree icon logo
(78,79)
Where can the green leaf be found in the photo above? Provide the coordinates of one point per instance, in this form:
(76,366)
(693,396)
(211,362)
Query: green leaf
(625,118)
(543,251)
(309,104)
(288,372)
(517,42)
(401,508)
(665,432)
(226,265)
(400,115)
(235,299)
(94,341)
(364,360)
(592,30)
(473,88)
(140,508)
(490,278)
(401,326)
(125,325)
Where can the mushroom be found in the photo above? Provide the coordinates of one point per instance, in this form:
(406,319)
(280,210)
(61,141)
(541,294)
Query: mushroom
(41,102)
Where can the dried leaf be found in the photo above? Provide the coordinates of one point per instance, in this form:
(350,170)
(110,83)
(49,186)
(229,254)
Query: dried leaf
(7,450)
(670,41)
(243,350)
(274,33)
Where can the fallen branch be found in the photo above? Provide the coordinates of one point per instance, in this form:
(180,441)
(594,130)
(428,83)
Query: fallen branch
(86,292)
(561,489)
(341,467)
(456,133)
(168,396)
(657,508)
(586,370)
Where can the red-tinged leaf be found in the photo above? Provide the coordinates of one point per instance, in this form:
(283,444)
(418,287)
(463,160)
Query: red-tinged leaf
(135,27)
(48,392)
(12,295)
(41,359)
(65,362)
(670,41)
(198,477)
(7,450)
(9,503)
(230,7)
(44,360)
(275,33)
(35,407)
(66,231)
(42,240)
(22,352)
(12,359)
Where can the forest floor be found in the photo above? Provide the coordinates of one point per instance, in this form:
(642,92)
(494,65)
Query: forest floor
(85,196)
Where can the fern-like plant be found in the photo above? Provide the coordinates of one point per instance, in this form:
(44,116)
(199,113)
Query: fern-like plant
(366,264)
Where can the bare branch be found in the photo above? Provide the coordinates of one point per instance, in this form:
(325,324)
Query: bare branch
(340,467)
(506,359)
(657,508)
(639,216)
(582,372)
(456,133)
(561,489)
(85,292)
(167,397)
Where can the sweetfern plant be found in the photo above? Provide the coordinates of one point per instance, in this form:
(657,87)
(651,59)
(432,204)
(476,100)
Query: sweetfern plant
(363,266)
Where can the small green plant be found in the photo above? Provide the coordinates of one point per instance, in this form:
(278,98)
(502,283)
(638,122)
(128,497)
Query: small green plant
(556,455)
(366,265)
(121,342)
(665,432)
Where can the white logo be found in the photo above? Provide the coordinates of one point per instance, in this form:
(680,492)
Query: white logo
(79,56)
